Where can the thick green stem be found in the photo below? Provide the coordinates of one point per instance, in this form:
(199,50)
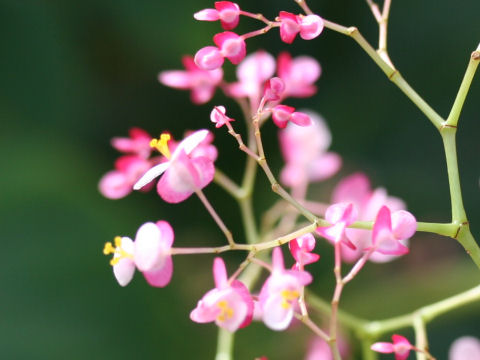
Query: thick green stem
(224,345)
(421,341)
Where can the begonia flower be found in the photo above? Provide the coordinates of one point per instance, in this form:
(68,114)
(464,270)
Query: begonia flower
(252,73)
(149,253)
(137,143)
(229,304)
(280,293)
(283,114)
(226,11)
(401,347)
(218,117)
(340,216)
(183,173)
(274,89)
(309,26)
(298,74)
(356,189)
(229,45)
(118,183)
(301,249)
(389,229)
(202,83)
(304,149)
(464,348)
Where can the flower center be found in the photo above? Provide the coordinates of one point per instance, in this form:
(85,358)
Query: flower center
(162,145)
(288,297)
(226,312)
(117,250)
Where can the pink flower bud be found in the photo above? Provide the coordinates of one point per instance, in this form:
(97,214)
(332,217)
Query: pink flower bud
(274,89)
(231,45)
(281,114)
(209,58)
(218,117)
(229,14)
(311,26)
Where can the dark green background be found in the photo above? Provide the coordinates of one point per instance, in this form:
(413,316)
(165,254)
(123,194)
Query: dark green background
(76,73)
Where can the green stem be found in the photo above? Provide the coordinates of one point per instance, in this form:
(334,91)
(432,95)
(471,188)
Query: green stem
(367,353)
(224,345)
(421,341)
(452,119)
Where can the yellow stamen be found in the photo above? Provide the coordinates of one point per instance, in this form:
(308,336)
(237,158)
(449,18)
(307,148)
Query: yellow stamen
(288,297)
(226,311)
(110,249)
(162,145)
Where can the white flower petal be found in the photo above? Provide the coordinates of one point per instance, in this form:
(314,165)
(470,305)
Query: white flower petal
(151,174)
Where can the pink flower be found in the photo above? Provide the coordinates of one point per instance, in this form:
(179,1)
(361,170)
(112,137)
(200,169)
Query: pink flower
(202,83)
(280,293)
(301,249)
(137,143)
(340,216)
(305,152)
(226,11)
(218,117)
(118,183)
(401,347)
(252,73)
(282,114)
(229,45)
(183,173)
(149,253)
(309,26)
(228,304)
(274,89)
(356,189)
(299,74)
(389,229)
(464,348)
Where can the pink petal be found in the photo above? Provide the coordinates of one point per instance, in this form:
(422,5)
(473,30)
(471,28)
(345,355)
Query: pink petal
(149,247)
(465,347)
(232,46)
(354,188)
(219,273)
(209,58)
(256,69)
(160,277)
(277,260)
(274,89)
(242,290)
(325,166)
(310,27)
(188,144)
(289,27)
(229,14)
(382,347)
(281,114)
(275,316)
(114,185)
(300,119)
(344,213)
(404,224)
(207,15)
(175,78)
(166,233)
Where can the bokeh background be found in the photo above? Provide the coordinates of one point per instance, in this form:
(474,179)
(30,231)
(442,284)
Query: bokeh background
(76,73)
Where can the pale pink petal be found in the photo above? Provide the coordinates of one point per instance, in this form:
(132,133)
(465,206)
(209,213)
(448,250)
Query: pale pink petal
(300,119)
(274,88)
(464,348)
(256,68)
(276,316)
(325,166)
(166,233)
(175,78)
(229,14)
(311,26)
(354,188)
(206,310)
(293,175)
(289,26)
(151,174)
(382,347)
(404,224)
(232,46)
(123,271)
(207,15)
(149,249)
(162,276)
(190,142)
(179,181)
(305,70)
(115,185)
(205,170)
(277,260)
(209,58)
(219,273)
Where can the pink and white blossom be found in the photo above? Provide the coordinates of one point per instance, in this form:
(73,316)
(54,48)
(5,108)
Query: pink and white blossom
(464,348)
(309,26)
(305,152)
(280,293)
(340,216)
(183,173)
(389,229)
(218,116)
(226,11)
(229,45)
(301,249)
(283,114)
(202,83)
(298,74)
(229,304)
(400,346)
(149,253)
(356,189)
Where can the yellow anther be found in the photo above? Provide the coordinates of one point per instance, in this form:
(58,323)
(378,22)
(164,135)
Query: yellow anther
(108,248)
(117,250)
(162,145)
(288,297)
(226,311)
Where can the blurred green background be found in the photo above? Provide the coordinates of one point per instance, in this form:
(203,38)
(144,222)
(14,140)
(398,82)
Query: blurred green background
(76,73)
